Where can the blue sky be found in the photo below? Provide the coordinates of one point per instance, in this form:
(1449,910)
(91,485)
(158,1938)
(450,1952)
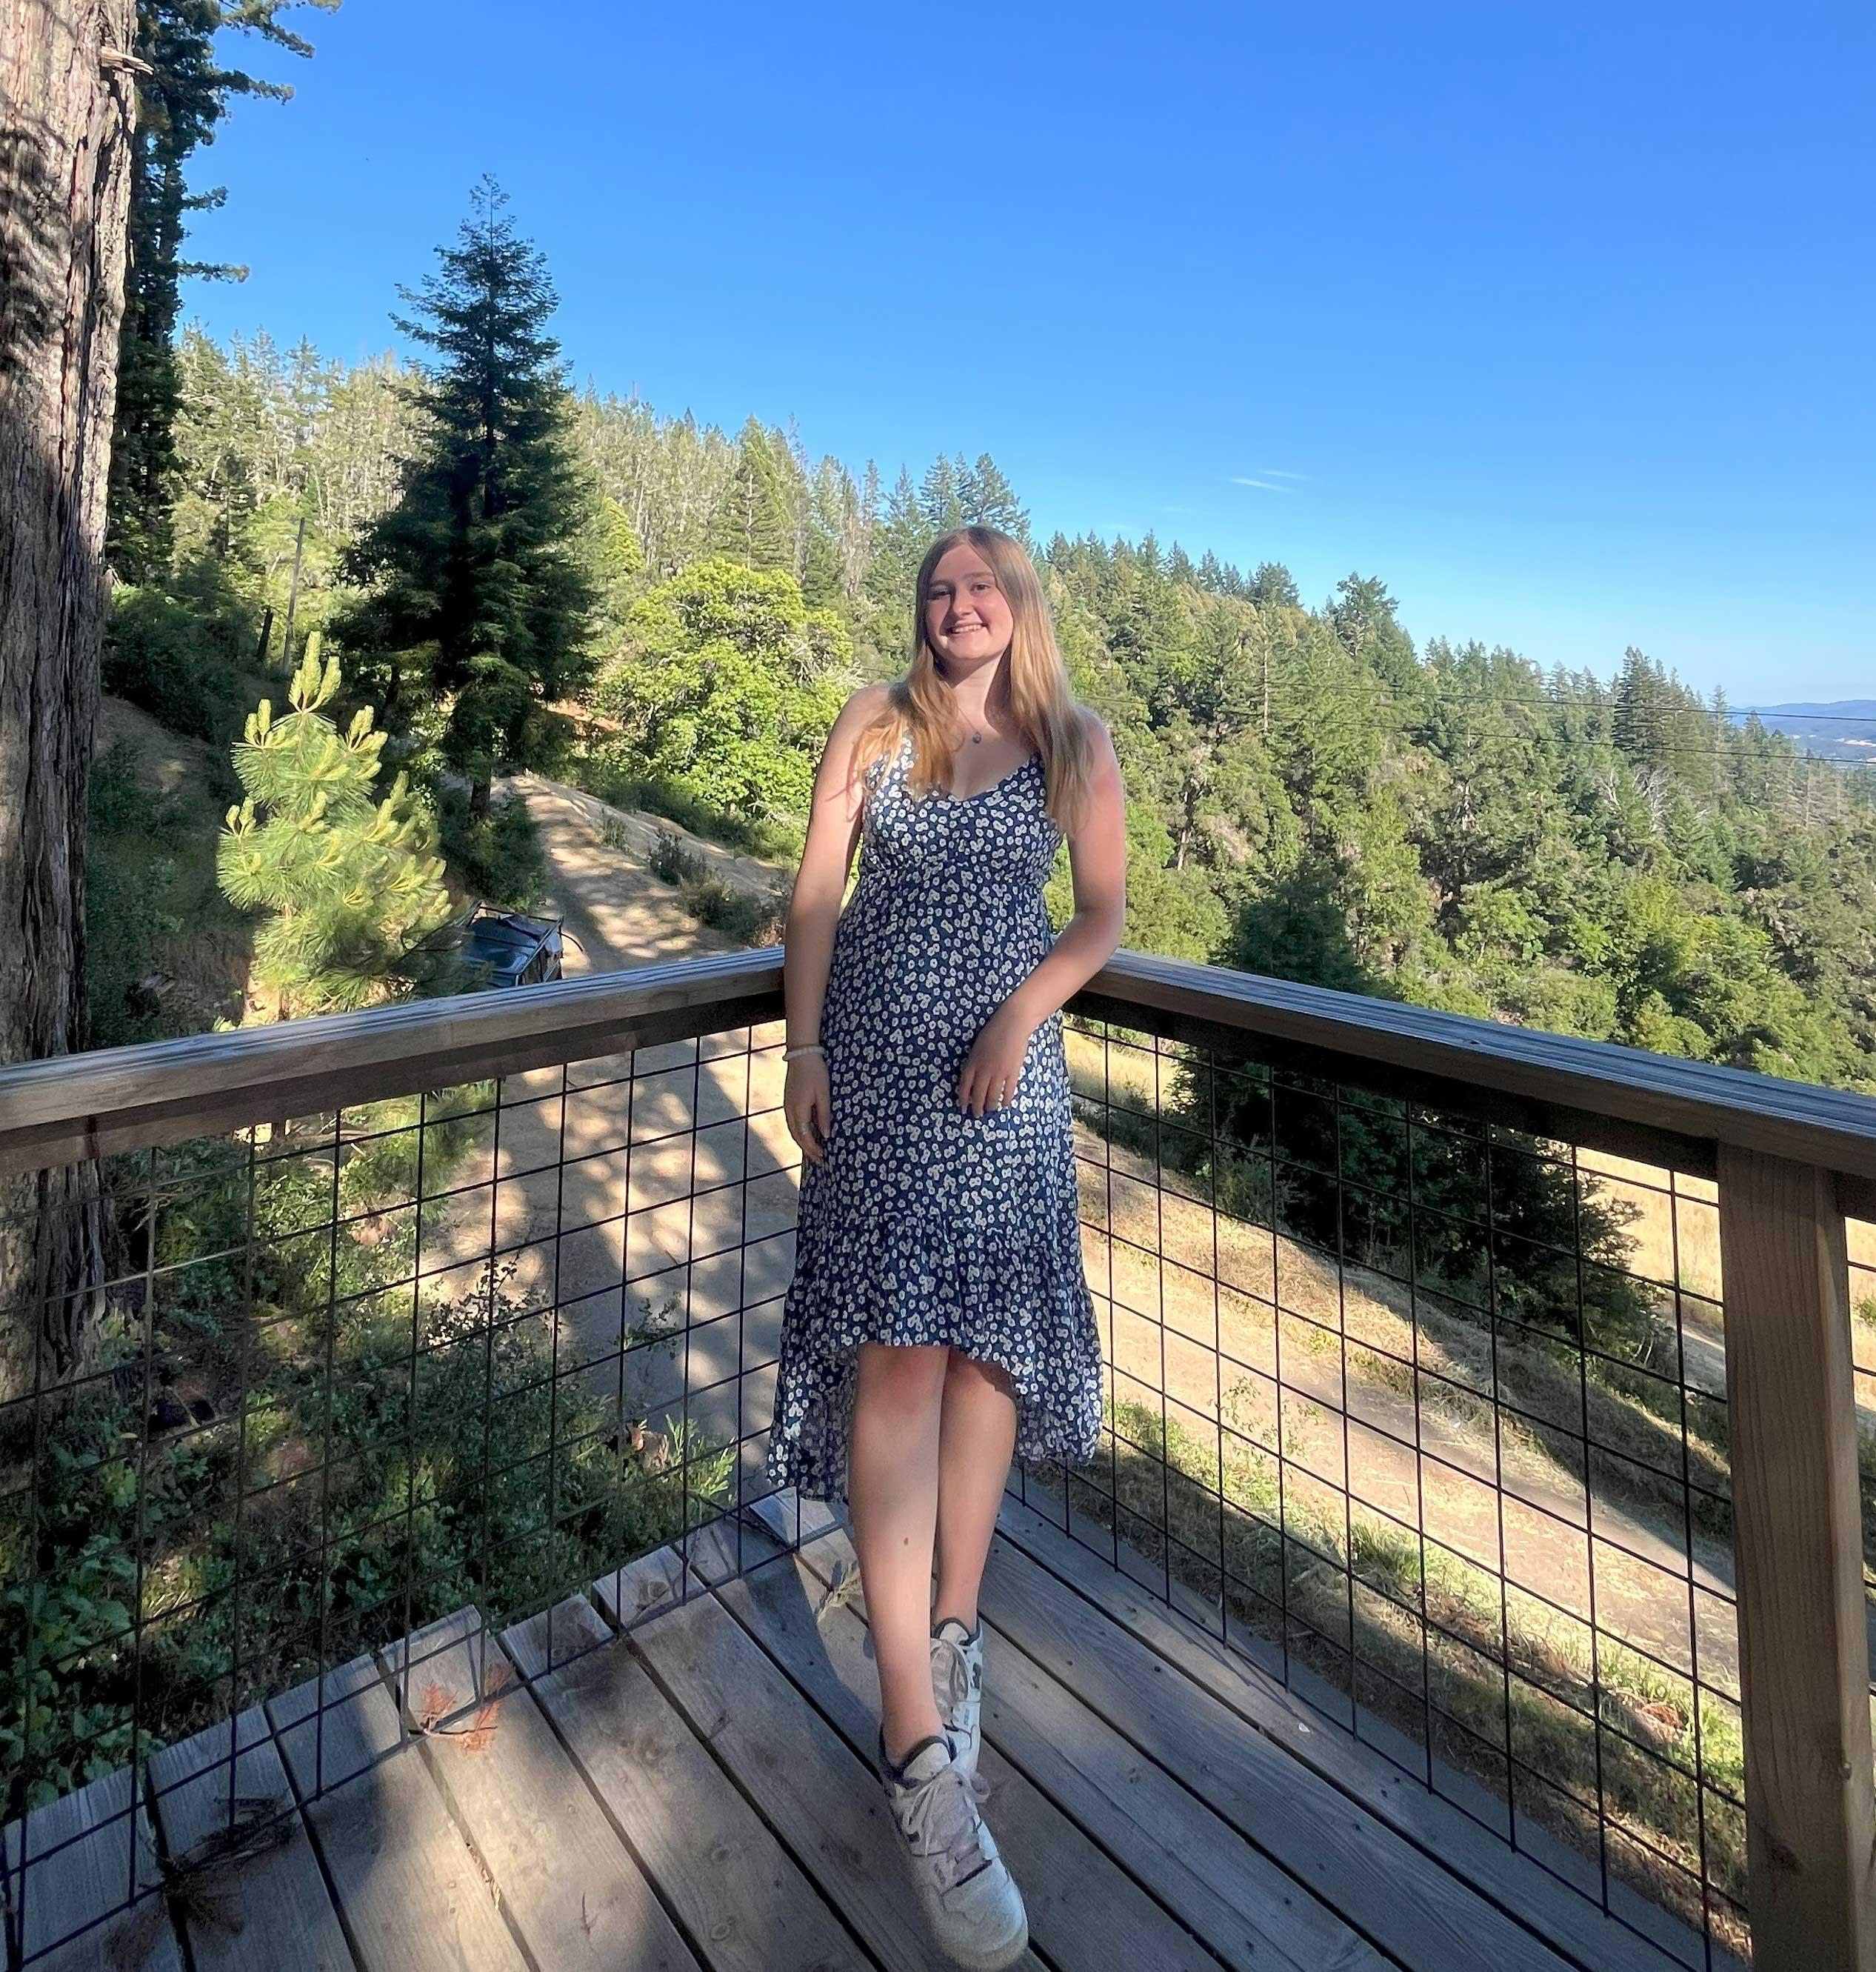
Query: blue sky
(1557,318)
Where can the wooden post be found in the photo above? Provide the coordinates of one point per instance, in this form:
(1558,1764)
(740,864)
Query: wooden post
(1804,1650)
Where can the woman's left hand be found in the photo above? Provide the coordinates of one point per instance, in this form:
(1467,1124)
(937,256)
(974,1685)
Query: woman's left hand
(991,1069)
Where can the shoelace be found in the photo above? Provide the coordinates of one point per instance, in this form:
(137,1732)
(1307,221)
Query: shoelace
(954,1677)
(940,1818)
(954,1671)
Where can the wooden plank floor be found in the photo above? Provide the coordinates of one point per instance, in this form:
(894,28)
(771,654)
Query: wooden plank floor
(697,1795)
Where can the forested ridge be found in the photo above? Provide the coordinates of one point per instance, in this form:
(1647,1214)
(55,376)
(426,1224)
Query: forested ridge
(1310,796)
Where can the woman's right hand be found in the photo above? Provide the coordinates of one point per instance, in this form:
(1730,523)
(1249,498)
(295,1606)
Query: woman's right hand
(807,1103)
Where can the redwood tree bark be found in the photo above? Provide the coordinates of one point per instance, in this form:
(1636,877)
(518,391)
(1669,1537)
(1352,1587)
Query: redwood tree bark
(67,112)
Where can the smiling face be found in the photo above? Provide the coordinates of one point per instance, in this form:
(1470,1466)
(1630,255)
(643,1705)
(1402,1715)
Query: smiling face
(967,619)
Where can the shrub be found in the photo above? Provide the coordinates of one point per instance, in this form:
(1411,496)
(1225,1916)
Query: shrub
(498,854)
(179,660)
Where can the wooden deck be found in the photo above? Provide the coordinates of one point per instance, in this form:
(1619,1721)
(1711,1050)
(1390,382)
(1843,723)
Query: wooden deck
(699,1792)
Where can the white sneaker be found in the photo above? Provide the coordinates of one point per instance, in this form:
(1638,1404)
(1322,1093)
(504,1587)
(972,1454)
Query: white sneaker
(957,1685)
(971,1901)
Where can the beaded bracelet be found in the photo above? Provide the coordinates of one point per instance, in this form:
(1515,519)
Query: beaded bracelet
(806,1047)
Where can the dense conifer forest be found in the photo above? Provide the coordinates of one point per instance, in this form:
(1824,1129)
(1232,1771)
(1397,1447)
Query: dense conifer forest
(1311,794)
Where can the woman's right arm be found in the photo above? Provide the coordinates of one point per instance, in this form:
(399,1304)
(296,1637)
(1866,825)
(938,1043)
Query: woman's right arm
(835,815)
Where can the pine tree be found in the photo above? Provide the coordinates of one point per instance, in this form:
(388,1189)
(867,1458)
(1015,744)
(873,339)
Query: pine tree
(353,883)
(1273,583)
(1364,619)
(987,498)
(899,541)
(476,591)
(941,504)
(1638,707)
(180,98)
(752,525)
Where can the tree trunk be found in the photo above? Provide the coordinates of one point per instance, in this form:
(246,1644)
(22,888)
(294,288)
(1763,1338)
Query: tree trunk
(69,100)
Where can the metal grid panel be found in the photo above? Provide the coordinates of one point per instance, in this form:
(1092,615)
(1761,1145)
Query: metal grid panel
(468,1350)
(1429,1417)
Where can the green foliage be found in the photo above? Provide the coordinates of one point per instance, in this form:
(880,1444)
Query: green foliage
(750,920)
(727,685)
(353,881)
(177,649)
(498,854)
(280,458)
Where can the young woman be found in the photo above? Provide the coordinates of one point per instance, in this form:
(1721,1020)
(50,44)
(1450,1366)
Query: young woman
(938,1319)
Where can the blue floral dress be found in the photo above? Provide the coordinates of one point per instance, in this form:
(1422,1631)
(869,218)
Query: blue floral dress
(922,1223)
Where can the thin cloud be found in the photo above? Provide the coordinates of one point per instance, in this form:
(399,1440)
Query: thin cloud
(1274,472)
(1263,485)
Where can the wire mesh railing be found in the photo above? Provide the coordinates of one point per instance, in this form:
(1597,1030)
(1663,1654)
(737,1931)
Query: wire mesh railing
(415,1368)
(1424,1394)
(1428,1416)
(1418,1397)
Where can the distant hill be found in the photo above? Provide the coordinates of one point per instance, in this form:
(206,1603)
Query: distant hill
(1845,729)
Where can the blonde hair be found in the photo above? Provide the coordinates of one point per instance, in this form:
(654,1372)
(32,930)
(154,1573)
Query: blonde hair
(921,702)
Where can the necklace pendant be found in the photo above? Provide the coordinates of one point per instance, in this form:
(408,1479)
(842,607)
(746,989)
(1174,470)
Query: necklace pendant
(977,738)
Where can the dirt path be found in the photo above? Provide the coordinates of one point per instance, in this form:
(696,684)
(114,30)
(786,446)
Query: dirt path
(569,1155)
(620,913)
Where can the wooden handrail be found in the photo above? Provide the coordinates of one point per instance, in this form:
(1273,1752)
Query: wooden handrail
(1593,1092)
(1597,1093)
(79,1106)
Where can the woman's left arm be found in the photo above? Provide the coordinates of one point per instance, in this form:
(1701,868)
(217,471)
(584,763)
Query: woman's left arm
(1097,859)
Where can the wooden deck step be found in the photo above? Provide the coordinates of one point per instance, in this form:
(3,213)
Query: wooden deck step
(569,1884)
(267,1905)
(1083,1910)
(1250,1912)
(411,1895)
(742,1900)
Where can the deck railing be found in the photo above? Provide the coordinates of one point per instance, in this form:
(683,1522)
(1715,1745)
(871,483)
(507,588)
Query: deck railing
(1496,1392)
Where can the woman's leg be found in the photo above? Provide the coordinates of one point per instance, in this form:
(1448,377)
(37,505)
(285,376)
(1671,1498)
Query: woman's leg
(893,1493)
(977,1438)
